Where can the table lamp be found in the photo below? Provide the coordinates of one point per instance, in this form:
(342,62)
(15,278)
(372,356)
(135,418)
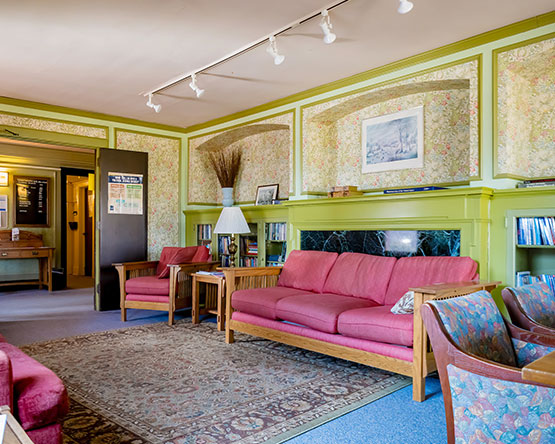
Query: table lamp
(232,222)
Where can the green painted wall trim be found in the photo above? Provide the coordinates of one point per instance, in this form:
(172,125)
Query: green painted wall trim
(52,137)
(480,39)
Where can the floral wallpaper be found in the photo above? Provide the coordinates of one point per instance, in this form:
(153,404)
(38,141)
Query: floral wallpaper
(163,186)
(332,131)
(51,125)
(267,158)
(525,111)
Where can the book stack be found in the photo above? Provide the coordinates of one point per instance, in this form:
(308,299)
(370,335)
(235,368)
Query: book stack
(250,247)
(550,182)
(223,244)
(536,231)
(344,191)
(276,231)
(524,278)
(205,231)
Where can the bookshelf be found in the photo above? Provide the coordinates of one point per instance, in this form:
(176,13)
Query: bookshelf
(248,247)
(532,246)
(204,235)
(223,253)
(275,235)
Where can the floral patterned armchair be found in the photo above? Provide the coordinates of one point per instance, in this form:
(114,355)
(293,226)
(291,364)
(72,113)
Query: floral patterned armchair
(531,307)
(479,359)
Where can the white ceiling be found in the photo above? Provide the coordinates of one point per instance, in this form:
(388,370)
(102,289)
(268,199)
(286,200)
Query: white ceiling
(100,55)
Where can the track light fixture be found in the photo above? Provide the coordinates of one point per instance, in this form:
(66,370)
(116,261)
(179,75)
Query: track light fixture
(272,50)
(404,6)
(156,108)
(199,92)
(325,24)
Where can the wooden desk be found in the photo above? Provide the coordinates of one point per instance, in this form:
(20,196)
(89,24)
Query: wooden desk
(542,370)
(14,433)
(215,297)
(44,256)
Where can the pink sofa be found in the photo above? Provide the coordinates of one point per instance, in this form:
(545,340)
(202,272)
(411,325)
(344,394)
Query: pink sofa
(35,395)
(341,305)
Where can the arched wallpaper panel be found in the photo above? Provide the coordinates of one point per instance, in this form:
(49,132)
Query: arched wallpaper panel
(267,158)
(332,131)
(525,110)
(163,186)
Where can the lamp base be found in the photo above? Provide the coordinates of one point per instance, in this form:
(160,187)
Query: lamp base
(232,249)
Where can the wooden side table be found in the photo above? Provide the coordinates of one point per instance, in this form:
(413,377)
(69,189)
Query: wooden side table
(542,370)
(214,300)
(13,433)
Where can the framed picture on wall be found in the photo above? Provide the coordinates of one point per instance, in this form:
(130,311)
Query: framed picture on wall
(266,194)
(393,141)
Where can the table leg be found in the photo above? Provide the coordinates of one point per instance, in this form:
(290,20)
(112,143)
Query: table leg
(220,296)
(48,272)
(195,302)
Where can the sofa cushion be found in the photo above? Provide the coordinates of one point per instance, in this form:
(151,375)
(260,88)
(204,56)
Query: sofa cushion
(427,270)
(173,255)
(148,285)
(201,255)
(377,324)
(147,298)
(318,311)
(360,275)
(40,397)
(307,270)
(261,301)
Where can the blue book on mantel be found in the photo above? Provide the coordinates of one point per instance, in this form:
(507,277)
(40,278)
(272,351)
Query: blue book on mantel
(412,190)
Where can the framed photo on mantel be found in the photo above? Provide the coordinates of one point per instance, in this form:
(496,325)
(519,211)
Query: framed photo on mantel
(266,194)
(31,201)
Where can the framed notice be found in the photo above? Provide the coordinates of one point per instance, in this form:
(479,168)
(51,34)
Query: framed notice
(125,193)
(31,206)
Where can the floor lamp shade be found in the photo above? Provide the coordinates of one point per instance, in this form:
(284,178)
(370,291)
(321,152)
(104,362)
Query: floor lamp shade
(232,221)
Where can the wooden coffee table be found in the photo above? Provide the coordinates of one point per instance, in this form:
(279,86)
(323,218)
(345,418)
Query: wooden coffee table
(542,370)
(215,297)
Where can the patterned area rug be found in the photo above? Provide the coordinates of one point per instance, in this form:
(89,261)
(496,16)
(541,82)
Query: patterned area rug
(184,385)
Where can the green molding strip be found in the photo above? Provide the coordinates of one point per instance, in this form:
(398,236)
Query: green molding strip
(495,75)
(58,139)
(471,42)
(250,122)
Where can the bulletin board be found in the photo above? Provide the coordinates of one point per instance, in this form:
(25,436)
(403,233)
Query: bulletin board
(31,201)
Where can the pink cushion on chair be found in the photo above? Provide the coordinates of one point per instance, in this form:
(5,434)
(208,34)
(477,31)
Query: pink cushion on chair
(40,397)
(306,270)
(148,285)
(173,255)
(318,311)
(147,298)
(360,275)
(51,434)
(377,324)
(427,270)
(261,301)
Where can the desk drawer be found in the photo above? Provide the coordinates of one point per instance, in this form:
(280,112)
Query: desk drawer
(6,254)
(16,254)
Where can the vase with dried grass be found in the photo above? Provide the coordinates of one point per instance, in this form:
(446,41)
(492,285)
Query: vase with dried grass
(226,165)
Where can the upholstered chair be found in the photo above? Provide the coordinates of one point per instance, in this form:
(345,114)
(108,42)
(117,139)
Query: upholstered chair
(479,359)
(162,285)
(531,307)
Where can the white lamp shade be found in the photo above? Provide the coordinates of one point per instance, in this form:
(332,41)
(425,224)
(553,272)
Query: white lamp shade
(232,221)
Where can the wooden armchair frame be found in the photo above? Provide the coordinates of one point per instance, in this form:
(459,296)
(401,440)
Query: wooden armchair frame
(447,352)
(520,317)
(423,360)
(180,295)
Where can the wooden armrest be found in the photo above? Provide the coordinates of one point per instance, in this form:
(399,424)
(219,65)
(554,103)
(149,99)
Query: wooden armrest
(450,290)
(194,264)
(140,265)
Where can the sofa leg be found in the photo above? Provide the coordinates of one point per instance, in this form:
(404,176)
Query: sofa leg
(123,314)
(418,388)
(170,318)
(229,339)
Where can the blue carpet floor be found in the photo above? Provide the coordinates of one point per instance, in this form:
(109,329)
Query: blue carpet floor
(36,315)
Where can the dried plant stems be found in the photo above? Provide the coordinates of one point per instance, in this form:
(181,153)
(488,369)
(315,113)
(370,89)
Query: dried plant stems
(226,164)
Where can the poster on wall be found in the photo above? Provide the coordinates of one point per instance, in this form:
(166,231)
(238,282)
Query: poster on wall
(125,193)
(31,201)
(3,211)
(393,141)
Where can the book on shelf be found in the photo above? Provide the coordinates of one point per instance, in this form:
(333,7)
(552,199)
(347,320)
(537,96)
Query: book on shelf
(533,183)
(536,230)
(412,190)
(525,278)
(276,231)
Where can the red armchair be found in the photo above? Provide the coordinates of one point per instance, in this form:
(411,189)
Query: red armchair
(162,285)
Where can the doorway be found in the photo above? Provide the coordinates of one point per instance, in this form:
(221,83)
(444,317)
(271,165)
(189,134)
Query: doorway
(78,228)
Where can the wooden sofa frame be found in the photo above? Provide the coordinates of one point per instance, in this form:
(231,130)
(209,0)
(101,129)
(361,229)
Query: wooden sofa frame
(181,289)
(423,361)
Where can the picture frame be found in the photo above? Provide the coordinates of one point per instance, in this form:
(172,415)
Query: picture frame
(393,141)
(266,194)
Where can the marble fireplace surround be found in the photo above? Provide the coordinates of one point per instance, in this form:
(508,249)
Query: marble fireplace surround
(385,242)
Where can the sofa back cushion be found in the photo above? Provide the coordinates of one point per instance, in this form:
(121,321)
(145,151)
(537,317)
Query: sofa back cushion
(360,275)
(202,255)
(427,270)
(307,270)
(173,255)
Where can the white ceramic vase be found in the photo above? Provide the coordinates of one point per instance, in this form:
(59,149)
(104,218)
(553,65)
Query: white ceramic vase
(227,196)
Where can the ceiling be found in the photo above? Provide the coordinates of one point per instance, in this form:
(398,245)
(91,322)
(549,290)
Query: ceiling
(100,55)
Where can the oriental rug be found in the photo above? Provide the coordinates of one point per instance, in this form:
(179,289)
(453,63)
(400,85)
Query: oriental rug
(184,385)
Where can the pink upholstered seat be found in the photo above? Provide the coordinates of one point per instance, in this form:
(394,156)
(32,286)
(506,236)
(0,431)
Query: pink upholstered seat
(360,275)
(39,396)
(262,301)
(307,270)
(427,270)
(150,285)
(318,311)
(147,298)
(377,324)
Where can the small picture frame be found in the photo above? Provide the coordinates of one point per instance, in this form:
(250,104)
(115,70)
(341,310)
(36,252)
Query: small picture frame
(266,194)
